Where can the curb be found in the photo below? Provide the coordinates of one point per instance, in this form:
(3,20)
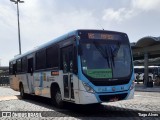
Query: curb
(148,89)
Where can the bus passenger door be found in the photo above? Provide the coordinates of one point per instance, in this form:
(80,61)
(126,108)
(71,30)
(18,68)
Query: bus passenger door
(30,79)
(67,66)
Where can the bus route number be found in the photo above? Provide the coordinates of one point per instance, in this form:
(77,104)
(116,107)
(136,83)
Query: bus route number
(100,36)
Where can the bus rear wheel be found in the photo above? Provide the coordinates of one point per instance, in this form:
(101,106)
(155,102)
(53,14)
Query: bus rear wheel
(22,94)
(57,98)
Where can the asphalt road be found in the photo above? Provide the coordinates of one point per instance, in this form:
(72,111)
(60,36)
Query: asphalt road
(145,105)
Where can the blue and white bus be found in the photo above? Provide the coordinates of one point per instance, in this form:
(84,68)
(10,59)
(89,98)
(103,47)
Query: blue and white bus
(82,67)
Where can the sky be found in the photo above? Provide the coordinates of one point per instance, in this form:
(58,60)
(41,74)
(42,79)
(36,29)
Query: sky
(44,20)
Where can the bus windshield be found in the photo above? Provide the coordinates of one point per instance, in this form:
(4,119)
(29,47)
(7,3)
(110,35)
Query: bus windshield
(105,59)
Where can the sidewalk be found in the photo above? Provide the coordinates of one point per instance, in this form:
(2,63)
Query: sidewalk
(7,91)
(141,87)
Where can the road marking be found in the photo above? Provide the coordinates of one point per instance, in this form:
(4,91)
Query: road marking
(4,98)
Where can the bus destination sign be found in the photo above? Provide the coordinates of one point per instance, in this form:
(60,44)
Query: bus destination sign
(102,36)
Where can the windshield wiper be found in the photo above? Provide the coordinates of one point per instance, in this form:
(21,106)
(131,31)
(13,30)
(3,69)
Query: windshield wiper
(102,51)
(114,52)
(109,52)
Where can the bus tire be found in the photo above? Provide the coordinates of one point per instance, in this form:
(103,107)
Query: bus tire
(97,105)
(22,94)
(56,97)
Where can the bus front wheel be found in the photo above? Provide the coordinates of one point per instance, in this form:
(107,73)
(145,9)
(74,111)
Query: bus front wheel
(57,98)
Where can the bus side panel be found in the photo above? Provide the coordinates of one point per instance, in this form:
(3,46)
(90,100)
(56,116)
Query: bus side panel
(48,79)
(14,82)
(86,97)
(25,82)
(44,80)
(76,89)
(42,83)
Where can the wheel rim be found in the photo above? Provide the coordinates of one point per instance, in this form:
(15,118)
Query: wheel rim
(58,97)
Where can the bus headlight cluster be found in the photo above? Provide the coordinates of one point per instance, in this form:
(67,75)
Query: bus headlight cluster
(87,87)
(132,85)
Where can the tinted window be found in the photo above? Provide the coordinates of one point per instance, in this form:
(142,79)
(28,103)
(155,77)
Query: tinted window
(52,56)
(41,60)
(10,68)
(24,64)
(14,68)
(19,65)
(30,65)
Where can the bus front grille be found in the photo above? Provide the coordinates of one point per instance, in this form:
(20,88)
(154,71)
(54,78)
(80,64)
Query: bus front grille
(107,98)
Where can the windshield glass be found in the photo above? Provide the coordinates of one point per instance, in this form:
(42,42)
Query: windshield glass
(105,59)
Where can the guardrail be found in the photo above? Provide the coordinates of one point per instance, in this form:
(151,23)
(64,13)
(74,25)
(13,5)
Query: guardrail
(4,81)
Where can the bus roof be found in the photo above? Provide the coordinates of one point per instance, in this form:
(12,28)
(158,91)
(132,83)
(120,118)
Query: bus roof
(58,39)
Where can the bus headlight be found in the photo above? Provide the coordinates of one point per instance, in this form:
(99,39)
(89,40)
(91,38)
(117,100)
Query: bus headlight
(87,87)
(132,85)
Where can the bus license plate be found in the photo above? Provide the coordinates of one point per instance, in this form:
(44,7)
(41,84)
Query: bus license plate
(113,99)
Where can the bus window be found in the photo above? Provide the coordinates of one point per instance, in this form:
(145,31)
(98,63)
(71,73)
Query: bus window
(41,60)
(19,65)
(67,59)
(10,68)
(30,65)
(65,62)
(14,69)
(24,64)
(70,60)
(52,57)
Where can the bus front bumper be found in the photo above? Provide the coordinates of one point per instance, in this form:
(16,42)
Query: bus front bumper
(91,98)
